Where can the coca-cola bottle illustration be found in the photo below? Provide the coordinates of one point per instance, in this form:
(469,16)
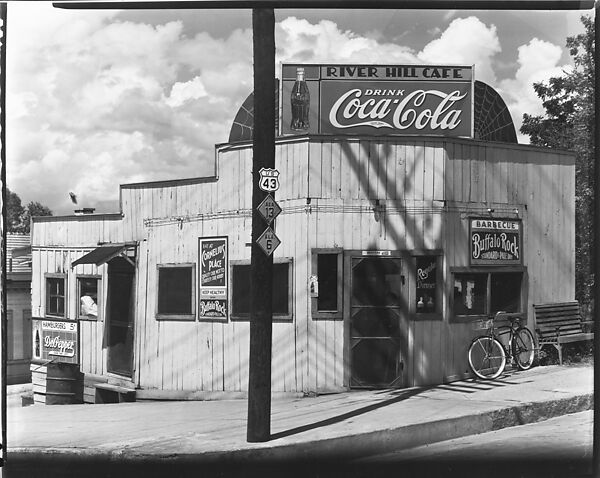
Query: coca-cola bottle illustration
(300,102)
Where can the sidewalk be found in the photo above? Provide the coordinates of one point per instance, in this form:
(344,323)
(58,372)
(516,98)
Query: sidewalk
(332,428)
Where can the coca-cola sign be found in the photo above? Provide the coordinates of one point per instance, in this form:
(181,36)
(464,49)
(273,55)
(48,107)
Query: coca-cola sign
(380,100)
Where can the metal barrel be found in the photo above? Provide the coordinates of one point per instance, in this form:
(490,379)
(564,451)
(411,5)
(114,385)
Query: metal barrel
(64,384)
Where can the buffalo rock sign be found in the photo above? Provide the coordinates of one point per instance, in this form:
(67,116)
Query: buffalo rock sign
(380,100)
(495,241)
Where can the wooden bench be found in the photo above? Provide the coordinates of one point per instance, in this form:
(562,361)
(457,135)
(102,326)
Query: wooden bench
(560,323)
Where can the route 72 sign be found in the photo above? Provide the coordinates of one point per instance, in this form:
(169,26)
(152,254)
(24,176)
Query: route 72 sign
(269,180)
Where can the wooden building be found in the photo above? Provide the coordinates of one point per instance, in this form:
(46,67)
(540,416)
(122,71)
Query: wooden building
(393,248)
(18,307)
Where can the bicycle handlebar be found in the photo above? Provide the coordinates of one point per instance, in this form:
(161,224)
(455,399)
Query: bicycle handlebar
(512,316)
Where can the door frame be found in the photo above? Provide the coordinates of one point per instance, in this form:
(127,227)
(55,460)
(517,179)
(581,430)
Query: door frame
(349,255)
(131,320)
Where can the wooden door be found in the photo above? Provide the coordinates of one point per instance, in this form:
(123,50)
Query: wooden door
(119,320)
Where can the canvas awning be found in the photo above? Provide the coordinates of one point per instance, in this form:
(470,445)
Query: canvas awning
(103,254)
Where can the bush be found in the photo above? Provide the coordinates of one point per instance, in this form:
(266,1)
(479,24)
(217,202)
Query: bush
(573,354)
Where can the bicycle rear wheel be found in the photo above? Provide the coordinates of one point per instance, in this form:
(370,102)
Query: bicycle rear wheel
(487,358)
(523,348)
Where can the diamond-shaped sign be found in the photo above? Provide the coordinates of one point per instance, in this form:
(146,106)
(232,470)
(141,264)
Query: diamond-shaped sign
(268,241)
(269,209)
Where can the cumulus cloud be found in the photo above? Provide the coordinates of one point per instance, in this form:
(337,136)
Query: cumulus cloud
(189,90)
(114,102)
(538,61)
(101,102)
(301,41)
(466,41)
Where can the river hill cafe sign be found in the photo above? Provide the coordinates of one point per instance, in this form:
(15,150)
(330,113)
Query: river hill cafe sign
(379,100)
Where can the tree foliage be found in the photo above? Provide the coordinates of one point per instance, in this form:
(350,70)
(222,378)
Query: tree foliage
(18,218)
(568,123)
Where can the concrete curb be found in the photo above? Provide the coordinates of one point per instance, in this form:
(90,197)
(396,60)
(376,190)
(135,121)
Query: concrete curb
(350,447)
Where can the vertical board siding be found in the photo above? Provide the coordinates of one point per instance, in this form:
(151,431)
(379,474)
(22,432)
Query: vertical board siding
(58,260)
(540,185)
(428,187)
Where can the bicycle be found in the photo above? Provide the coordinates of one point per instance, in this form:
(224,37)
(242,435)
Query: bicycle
(488,355)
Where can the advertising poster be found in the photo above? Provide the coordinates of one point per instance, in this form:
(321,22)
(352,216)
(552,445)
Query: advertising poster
(55,340)
(426,283)
(214,278)
(378,99)
(495,241)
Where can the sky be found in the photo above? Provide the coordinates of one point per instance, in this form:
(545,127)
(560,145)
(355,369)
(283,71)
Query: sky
(96,99)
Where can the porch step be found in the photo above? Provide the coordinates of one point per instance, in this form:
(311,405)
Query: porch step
(109,393)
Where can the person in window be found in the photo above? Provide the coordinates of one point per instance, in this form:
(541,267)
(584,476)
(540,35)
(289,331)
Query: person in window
(89,306)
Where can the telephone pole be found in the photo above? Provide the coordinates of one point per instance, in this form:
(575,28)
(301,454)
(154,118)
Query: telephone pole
(263,150)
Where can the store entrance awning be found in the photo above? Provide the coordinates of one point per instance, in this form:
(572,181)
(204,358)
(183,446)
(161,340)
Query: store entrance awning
(103,254)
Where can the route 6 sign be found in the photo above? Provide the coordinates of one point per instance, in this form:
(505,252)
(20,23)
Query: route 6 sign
(268,241)
(269,180)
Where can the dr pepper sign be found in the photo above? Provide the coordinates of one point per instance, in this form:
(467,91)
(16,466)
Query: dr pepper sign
(378,99)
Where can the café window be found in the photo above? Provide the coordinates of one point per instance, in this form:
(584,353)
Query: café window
(325,284)
(87,293)
(487,292)
(282,294)
(55,296)
(176,298)
(427,295)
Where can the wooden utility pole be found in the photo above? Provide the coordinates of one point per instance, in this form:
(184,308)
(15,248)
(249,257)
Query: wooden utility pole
(263,149)
(4,328)
(596,247)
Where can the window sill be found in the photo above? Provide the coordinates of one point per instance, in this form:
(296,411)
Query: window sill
(57,317)
(464,318)
(428,316)
(176,317)
(323,315)
(276,318)
(87,318)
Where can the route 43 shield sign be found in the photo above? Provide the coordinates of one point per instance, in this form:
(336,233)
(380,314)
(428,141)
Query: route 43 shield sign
(269,180)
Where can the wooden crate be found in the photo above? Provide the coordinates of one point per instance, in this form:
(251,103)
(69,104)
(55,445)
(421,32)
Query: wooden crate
(38,381)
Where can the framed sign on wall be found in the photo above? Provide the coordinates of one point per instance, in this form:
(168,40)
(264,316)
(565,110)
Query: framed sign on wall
(214,278)
(495,241)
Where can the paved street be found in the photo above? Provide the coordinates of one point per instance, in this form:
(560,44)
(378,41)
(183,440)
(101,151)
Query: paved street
(313,436)
(562,445)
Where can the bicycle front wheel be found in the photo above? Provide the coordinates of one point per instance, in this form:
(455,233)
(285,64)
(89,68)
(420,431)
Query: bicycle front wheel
(487,358)
(523,348)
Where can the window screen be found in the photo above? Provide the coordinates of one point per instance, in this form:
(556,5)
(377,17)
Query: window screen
(505,292)
(55,296)
(241,289)
(470,292)
(175,290)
